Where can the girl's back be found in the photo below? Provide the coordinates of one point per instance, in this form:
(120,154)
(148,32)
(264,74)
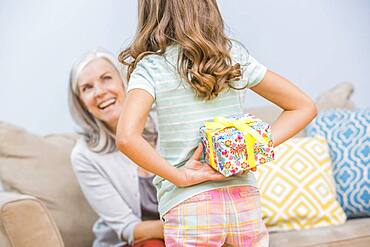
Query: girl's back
(181,113)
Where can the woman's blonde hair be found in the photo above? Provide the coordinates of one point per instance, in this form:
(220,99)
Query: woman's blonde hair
(198,28)
(98,136)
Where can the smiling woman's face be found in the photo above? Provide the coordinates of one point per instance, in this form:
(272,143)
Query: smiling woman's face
(101,91)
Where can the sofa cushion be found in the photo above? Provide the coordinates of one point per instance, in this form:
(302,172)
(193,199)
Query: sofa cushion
(40,166)
(297,189)
(336,97)
(355,232)
(348,135)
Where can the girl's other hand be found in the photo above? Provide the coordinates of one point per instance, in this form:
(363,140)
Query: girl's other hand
(195,172)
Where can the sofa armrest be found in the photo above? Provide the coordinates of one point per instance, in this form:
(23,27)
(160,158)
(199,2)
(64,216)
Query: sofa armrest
(25,221)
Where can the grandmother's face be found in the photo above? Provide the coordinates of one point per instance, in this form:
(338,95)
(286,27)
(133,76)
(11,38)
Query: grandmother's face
(101,91)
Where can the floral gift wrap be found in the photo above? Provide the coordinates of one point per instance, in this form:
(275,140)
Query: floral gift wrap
(236,144)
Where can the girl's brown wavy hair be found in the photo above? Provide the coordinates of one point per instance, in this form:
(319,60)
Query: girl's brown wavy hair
(198,28)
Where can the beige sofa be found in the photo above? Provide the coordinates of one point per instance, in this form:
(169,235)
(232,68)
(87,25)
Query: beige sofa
(43,204)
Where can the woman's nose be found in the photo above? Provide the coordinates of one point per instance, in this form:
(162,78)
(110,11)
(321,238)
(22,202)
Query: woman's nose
(99,90)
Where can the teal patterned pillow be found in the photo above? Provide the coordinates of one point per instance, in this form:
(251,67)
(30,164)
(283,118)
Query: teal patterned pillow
(348,136)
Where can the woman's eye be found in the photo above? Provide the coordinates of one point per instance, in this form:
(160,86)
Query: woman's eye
(107,77)
(86,88)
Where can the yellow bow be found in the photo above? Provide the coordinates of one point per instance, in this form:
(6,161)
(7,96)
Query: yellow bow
(250,135)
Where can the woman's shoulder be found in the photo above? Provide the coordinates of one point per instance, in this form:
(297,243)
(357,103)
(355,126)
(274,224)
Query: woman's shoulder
(80,153)
(83,157)
(80,148)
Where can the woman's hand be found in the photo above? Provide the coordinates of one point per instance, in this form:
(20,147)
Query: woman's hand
(149,229)
(195,172)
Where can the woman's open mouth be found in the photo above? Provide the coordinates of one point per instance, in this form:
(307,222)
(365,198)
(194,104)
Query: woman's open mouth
(106,104)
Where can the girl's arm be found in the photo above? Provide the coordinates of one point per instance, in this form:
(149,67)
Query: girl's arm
(298,108)
(129,140)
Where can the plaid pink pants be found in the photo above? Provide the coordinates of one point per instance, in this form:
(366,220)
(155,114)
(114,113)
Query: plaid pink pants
(221,217)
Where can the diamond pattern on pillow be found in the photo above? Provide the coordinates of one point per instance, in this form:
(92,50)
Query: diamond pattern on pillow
(297,189)
(348,135)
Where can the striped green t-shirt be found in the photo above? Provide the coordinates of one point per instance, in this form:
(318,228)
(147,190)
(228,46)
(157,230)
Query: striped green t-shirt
(180,115)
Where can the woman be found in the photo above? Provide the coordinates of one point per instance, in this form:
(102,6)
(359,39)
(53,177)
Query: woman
(120,192)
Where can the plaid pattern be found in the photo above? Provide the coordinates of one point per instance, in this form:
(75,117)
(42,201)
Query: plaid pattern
(228,216)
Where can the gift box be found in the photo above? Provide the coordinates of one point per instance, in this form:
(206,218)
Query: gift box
(236,144)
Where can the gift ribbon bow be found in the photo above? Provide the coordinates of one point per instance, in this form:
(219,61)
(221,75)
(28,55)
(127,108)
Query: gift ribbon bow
(243,124)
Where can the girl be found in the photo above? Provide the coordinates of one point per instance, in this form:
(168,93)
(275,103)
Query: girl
(182,60)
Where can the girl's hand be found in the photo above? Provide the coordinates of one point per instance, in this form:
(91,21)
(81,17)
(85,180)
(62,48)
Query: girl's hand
(195,172)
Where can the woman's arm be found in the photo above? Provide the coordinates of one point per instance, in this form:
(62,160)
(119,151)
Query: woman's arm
(109,205)
(298,108)
(149,229)
(129,140)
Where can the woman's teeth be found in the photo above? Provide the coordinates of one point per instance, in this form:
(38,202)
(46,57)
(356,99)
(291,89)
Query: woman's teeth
(106,103)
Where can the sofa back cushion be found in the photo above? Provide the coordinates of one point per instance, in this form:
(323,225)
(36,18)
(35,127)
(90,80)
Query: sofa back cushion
(40,166)
(336,97)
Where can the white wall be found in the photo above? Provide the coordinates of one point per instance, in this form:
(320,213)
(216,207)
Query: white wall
(315,43)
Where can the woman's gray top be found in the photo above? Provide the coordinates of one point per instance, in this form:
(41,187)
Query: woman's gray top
(110,183)
(148,199)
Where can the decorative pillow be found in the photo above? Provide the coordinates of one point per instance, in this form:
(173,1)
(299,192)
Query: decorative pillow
(297,189)
(348,135)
